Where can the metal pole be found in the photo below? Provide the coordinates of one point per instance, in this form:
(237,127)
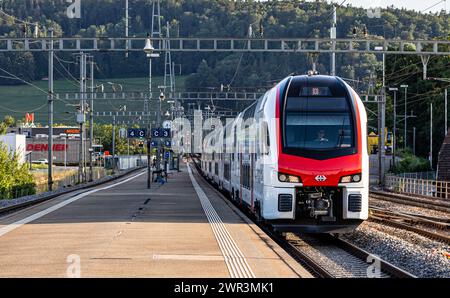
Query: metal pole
(381,127)
(126,26)
(65,152)
(50,114)
(431,135)
(114,145)
(81,113)
(446,118)
(84,113)
(394,134)
(406,117)
(91,123)
(149,162)
(414,140)
(333,36)
(173,75)
(158,124)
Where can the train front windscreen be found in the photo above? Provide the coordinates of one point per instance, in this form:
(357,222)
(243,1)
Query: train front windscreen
(318,121)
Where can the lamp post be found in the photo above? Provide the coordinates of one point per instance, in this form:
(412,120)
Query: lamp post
(162,97)
(50,113)
(406,117)
(394,142)
(382,122)
(149,50)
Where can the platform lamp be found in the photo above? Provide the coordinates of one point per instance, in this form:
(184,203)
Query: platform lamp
(149,50)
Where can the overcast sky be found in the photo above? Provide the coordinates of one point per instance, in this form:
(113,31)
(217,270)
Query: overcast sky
(418,5)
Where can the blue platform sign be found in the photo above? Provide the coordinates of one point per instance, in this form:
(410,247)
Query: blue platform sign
(154,144)
(155,133)
(137,133)
(167,155)
(168,143)
(165,132)
(161,133)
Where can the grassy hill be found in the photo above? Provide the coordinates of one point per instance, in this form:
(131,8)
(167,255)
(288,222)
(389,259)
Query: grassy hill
(18,100)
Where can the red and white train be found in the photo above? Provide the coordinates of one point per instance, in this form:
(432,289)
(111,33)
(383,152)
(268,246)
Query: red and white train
(297,157)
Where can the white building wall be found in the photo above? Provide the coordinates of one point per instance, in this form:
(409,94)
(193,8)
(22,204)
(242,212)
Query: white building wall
(15,144)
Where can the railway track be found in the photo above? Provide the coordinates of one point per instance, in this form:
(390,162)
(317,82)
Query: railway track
(430,227)
(332,257)
(429,203)
(326,256)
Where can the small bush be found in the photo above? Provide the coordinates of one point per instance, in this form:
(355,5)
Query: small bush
(411,163)
(15,179)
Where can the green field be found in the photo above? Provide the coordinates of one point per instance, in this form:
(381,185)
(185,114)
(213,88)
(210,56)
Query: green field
(18,100)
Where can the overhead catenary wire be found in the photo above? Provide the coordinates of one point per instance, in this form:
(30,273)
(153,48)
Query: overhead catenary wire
(432,6)
(23,112)
(24,81)
(66,70)
(32,85)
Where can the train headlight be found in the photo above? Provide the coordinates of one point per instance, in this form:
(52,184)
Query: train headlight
(288,178)
(351,178)
(356,178)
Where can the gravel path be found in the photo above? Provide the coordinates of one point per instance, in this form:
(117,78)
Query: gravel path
(416,254)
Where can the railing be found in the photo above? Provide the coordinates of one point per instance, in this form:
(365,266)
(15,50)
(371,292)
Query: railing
(430,175)
(424,187)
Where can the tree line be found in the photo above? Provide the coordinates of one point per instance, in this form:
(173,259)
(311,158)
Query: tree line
(227,18)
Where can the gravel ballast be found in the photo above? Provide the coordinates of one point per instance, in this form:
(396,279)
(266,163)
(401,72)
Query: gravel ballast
(416,254)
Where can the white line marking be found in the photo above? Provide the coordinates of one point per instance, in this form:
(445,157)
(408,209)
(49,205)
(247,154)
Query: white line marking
(6,229)
(234,258)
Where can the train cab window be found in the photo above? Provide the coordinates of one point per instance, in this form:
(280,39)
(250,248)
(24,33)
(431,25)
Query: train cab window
(318,124)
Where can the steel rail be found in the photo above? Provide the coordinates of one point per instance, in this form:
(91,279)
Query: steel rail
(437,205)
(431,235)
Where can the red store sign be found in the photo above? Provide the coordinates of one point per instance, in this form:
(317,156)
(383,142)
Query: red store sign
(44,147)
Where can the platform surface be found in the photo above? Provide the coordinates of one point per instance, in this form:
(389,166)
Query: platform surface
(122,229)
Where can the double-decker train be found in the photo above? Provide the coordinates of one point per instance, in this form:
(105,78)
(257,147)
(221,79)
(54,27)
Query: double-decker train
(297,157)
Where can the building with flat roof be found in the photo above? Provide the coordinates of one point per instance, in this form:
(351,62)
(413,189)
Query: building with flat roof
(66,144)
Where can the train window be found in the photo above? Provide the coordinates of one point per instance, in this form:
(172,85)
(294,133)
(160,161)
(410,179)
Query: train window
(263,101)
(227,171)
(318,123)
(264,138)
(246,179)
(250,111)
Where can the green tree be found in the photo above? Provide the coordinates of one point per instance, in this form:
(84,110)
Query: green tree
(8,121)
(15,178)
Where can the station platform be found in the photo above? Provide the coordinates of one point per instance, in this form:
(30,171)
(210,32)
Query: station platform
(182,229)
